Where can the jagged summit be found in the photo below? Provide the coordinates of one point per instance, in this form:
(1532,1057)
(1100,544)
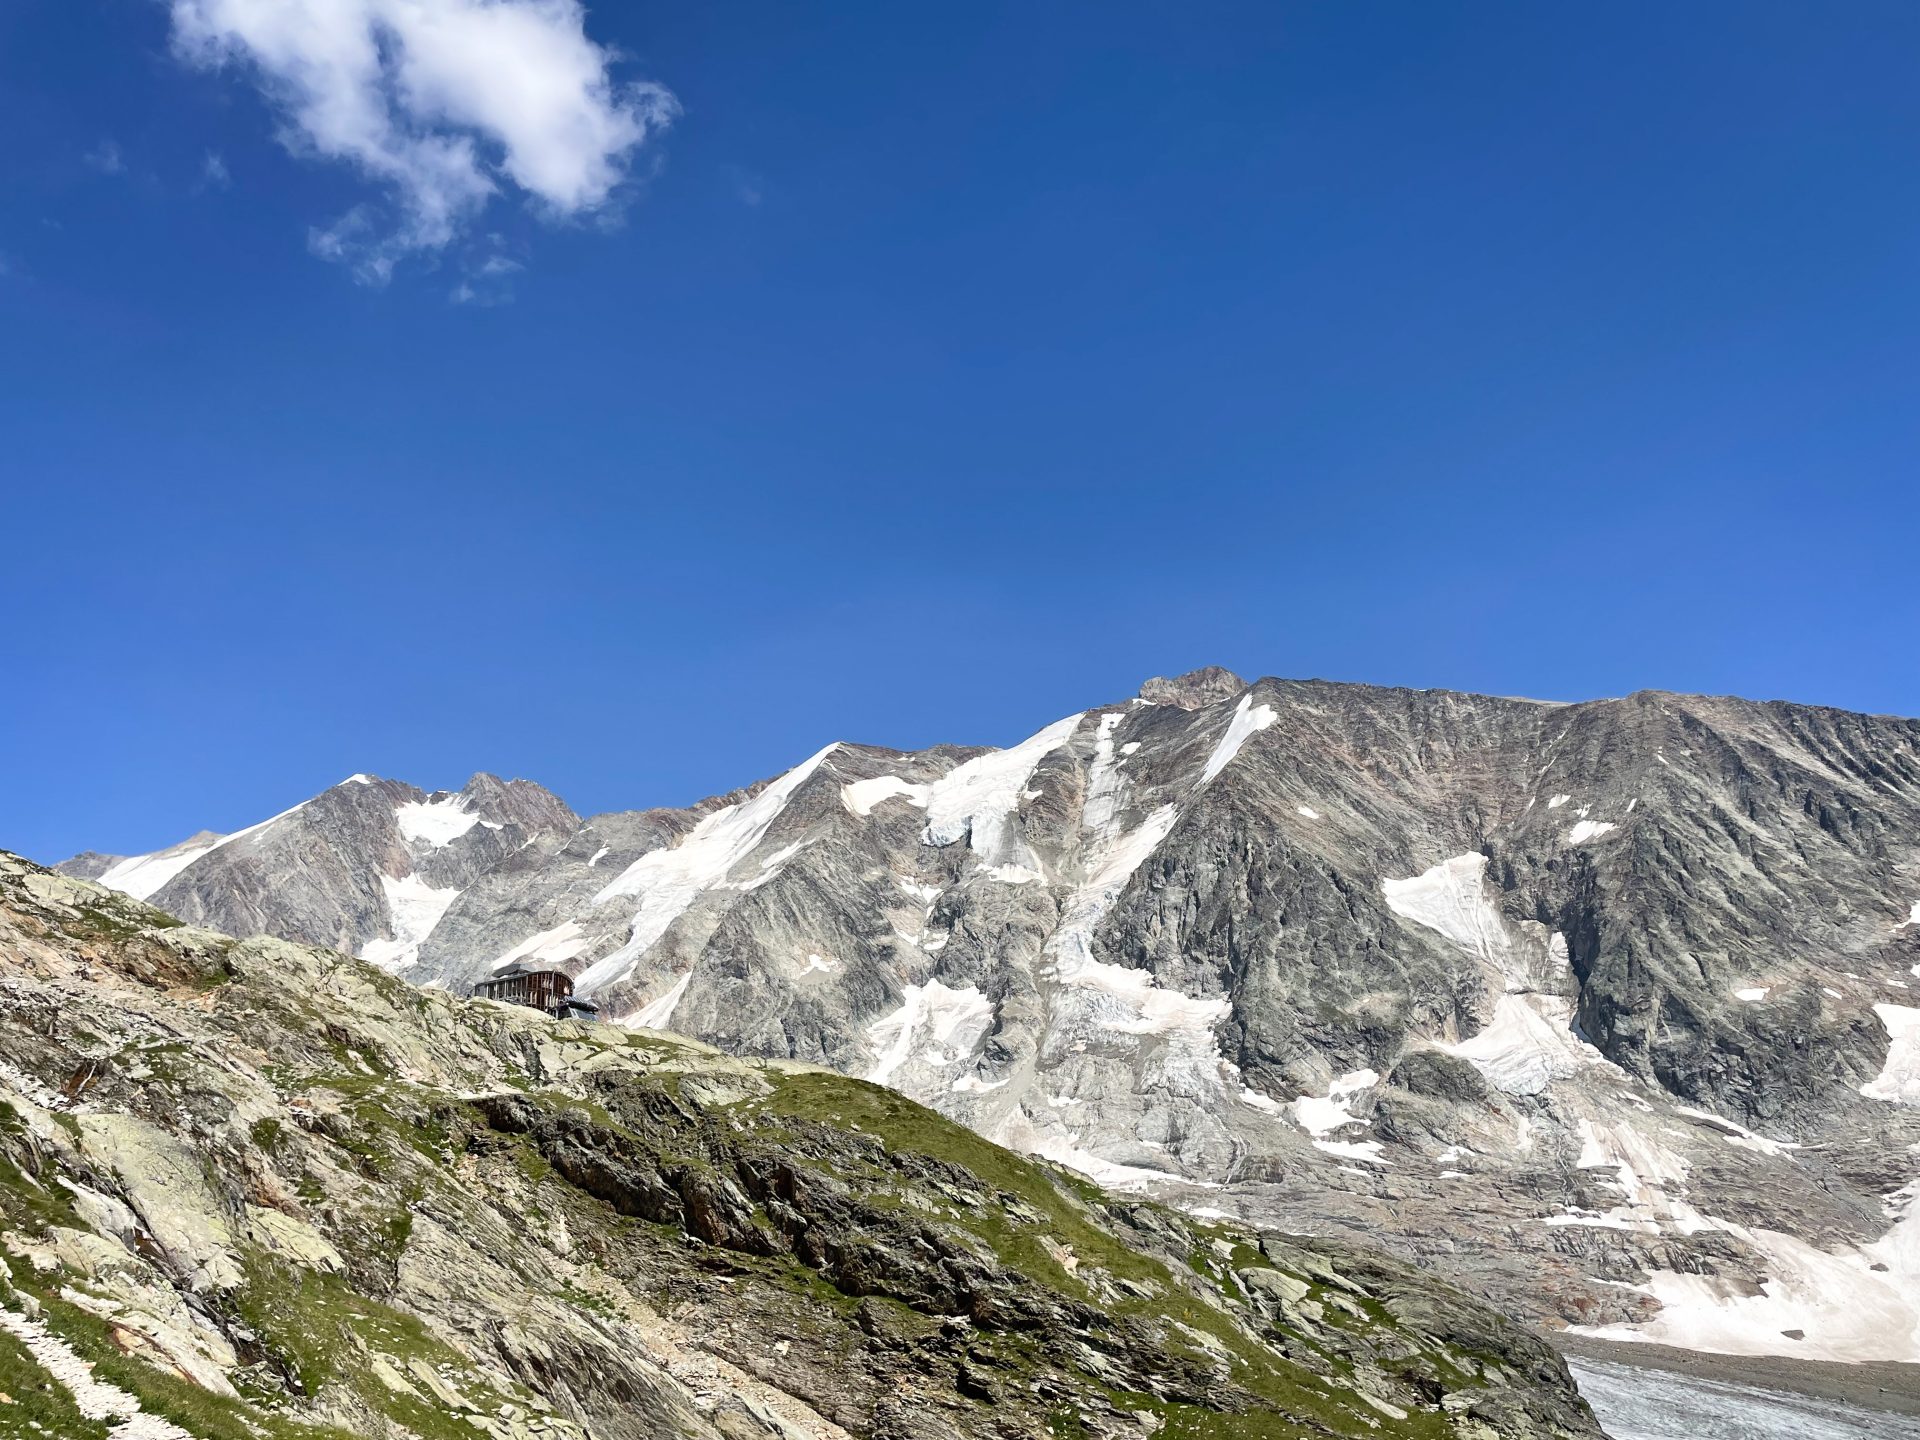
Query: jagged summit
(1206,686)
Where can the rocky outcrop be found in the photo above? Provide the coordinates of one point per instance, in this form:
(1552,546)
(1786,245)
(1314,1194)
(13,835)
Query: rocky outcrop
(254,1189)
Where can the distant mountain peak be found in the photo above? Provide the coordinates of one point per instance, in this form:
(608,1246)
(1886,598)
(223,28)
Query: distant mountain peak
(1208,685)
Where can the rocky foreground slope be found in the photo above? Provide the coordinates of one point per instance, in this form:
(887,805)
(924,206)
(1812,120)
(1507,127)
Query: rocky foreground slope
(260,1191)
(1608,1008)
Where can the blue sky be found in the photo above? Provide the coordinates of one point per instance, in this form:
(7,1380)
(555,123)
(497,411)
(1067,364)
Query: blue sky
(926,372)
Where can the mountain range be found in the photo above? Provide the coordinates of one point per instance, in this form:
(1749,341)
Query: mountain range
(1608,1011)
(252,1190)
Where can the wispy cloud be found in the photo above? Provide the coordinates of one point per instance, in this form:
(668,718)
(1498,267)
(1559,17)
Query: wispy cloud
(106,158)
(444,104)
(488,281)
(214,174)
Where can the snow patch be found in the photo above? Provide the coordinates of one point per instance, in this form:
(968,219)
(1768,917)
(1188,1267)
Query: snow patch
(1019,1132)
(1321,1115)
(1531,1040)
(1367,1150)
(942,1024)
(925,894)
(1012,874)
(1557,801)
(413,908)
(135,871)
(435,822)
(1847,1310)
(1308,811)
(860,796)
(1587,830)
(1899,1079)
(978,799)
(1451,898)
(1247,720)
(1754,995)
(1529,1044)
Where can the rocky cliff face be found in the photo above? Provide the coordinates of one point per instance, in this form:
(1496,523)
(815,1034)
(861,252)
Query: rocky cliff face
(259,1191)
(1606,1007)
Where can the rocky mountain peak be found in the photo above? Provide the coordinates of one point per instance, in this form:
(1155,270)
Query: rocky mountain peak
(519,802)
(1208,685)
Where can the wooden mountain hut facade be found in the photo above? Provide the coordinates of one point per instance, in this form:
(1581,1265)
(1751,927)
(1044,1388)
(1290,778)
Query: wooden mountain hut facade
(549,991)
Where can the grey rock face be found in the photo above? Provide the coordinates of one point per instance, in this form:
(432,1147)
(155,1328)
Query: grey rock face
(1566,998)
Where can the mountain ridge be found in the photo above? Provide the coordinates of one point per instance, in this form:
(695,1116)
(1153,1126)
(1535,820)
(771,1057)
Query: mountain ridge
(1292,948)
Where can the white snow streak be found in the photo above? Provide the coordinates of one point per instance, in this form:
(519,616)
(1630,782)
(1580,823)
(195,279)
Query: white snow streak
(1753,995)
(668,881)
(1587,830)
(978,799)
(1248,718)
(549,947)
(133,868)
(141,875)
(658,1013)
(860,796)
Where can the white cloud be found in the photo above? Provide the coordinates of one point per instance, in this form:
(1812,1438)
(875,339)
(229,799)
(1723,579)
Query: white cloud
(445,103)
(214,174)
(488,282)
(105,157)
